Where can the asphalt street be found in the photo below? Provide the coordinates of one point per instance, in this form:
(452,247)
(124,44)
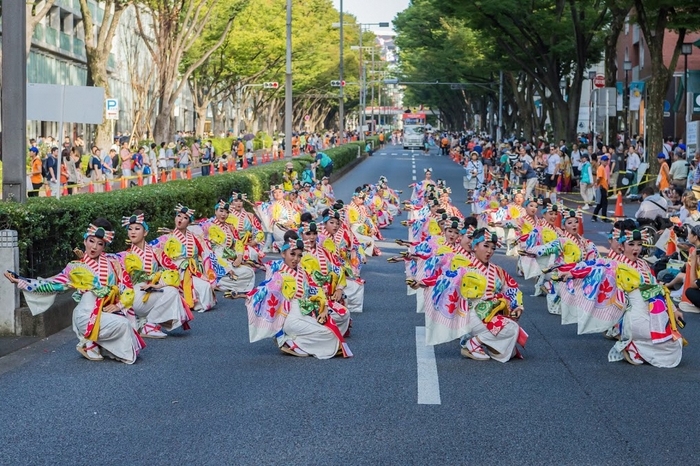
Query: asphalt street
(209,397)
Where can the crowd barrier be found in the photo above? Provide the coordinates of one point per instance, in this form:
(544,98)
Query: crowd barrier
(164,176)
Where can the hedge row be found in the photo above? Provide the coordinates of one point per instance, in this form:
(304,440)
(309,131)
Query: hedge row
(49,229)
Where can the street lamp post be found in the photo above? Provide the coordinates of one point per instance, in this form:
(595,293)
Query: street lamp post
(288,86)
(591,77)
(627,66)
(341,108)
(363,72)
(687,49)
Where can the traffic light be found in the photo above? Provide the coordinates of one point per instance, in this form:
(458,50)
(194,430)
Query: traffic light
(337,83)
(271,85)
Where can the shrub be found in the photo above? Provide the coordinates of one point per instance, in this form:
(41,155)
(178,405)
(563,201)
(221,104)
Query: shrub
(49,229)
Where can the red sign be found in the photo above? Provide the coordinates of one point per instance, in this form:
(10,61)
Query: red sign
(599,81)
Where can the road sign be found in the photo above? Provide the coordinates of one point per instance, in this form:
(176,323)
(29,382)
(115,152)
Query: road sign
(112,109)
(307,117)
(599,81)
(337,83)
(696,103)
(271,85)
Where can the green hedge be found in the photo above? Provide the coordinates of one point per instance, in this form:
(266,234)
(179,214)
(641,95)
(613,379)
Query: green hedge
(49,229)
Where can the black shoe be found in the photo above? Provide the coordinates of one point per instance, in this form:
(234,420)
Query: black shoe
(594,219)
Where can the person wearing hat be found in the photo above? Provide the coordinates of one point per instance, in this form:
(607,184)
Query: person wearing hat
(601,183)
(663,179)
(649,329)
(277,216)
(324,266)
(247,227)
(361,223)
(289,177)
(104,295)
(290,307)
(234,275)
(170,156)
(191,255)
(158,304)
(35,177)
(493,303)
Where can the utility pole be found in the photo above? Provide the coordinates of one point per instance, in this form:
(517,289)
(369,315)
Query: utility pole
(500,108)
(14,100)
(341,108)
(362,88)
(288,87)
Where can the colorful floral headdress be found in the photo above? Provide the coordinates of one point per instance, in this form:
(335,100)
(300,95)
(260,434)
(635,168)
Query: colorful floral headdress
(622,236)
(222,205)
(276,187)
(382,179)
(551,208)
(99,232)
(454,223)
(307,226)
(571,213)
(135,219)
(426,170)
(181,209)
(296,243)
(483,234)
(469,231)
(238,196)
(332,213)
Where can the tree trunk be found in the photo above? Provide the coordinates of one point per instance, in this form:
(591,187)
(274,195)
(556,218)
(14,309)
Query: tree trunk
(97,76)
(161,130)
(201,111)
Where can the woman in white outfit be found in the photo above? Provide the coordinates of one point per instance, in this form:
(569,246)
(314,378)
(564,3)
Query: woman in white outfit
(102,320)
(158,304)
(290,307)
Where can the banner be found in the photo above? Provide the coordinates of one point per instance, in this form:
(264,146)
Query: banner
(636,92)
(620,92)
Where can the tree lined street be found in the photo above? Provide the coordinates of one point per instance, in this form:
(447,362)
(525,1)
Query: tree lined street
(210,397)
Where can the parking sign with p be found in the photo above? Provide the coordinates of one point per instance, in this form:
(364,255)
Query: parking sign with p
(112,109)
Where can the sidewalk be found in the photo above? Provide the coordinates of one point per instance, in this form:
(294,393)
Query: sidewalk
(10,344)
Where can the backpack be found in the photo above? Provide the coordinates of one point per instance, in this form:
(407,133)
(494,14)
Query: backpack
(45,168)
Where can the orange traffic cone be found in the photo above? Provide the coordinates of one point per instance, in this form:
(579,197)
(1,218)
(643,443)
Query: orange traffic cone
(231,164)
(123,183)
(189,173)
(140,179)
(163,176)
(619,210)
(91,187)
(255,162)
(108,186)
(671,245)
(173,175)
(65,191)
(244,163)
(48,191)
(221,168)
(154,179)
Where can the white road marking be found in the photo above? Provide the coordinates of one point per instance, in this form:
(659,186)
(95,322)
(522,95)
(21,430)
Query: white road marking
(393,153)
(428,382)
(414,177)
(414,171)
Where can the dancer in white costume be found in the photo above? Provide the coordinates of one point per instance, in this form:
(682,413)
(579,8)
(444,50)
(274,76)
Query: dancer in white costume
(233,275)
(193,259)
(103,320)
(158,303)
(293,309)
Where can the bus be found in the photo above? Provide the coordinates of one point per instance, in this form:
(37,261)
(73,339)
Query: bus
(413,130)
